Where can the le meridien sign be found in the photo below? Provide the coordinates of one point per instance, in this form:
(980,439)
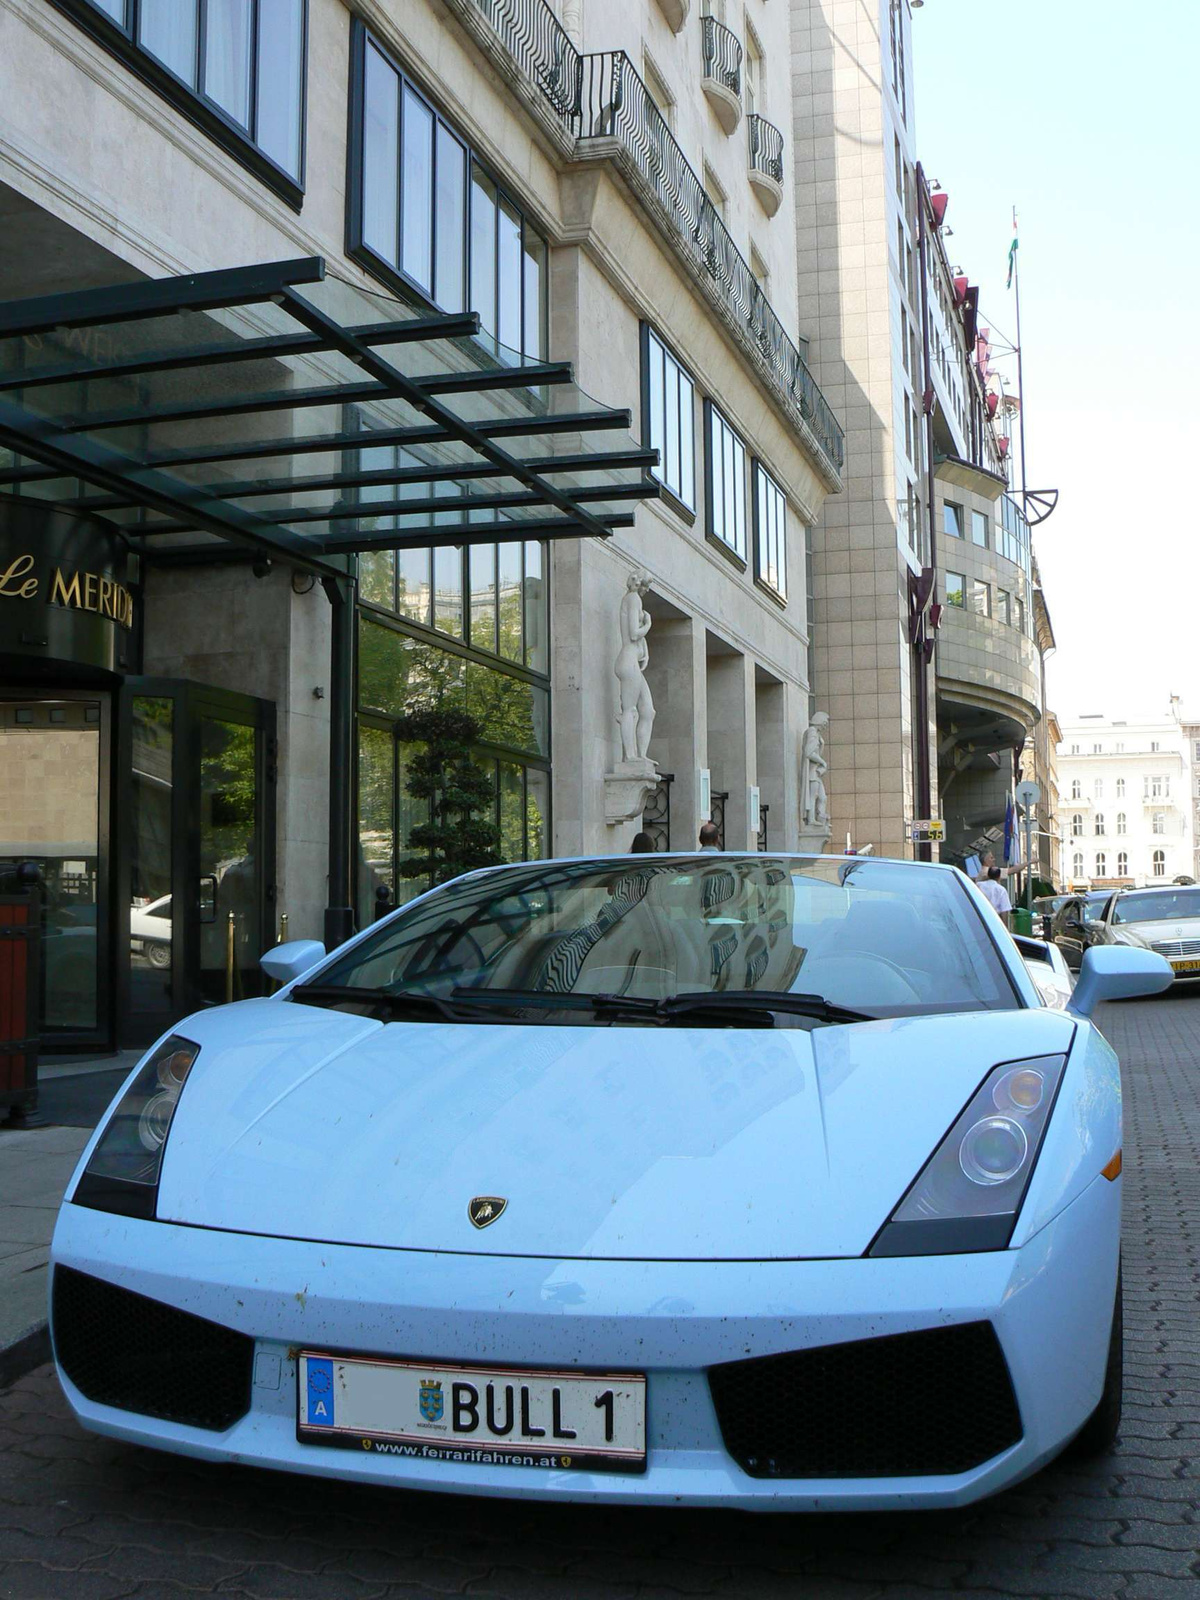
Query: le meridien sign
(64,595)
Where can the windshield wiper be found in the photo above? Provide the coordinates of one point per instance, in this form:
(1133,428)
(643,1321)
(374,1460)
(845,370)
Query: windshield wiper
(801,1005)
(738,1004)
(394,1002)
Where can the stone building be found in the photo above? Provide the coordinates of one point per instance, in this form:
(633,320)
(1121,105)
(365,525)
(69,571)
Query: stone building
(1126,806)
(553,240)
(925,649)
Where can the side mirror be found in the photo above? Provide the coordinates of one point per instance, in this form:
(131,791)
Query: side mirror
(1118,972)
(292,960)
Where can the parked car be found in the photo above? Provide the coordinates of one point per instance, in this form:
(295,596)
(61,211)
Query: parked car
(1045,907)
(1077,924)
(150,931)
(766,1182)
(1165,920)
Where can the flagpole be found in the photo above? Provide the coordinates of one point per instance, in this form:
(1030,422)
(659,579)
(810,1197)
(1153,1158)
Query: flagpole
(1016,271)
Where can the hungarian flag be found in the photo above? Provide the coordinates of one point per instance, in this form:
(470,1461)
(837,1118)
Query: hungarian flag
(1012,254)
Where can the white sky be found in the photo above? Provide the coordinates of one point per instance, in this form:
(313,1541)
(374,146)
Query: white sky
(1083,113)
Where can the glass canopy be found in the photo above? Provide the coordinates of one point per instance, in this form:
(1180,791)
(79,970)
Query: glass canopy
(285,409)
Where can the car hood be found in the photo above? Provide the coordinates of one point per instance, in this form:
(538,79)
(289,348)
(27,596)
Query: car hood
(1166,931)
(665,1143)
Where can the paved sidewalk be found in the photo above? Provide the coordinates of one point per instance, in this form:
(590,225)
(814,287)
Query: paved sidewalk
(35,1165)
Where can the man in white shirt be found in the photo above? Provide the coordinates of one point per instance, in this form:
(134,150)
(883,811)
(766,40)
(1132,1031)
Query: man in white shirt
(996,895)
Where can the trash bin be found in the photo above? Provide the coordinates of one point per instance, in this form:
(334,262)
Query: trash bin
(1022,921)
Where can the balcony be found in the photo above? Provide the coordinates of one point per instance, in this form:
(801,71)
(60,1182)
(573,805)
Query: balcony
(722,72)
(766,162)
(598,105)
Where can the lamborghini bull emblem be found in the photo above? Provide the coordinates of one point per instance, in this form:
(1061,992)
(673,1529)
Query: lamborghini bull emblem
(431,1401)
(485,1209)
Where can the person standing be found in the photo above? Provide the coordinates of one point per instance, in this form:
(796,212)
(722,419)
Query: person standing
(996,895)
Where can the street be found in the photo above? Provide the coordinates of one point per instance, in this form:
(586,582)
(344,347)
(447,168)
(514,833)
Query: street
(88,1518)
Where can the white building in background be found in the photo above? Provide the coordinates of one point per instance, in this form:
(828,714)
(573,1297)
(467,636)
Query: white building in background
(1126,801)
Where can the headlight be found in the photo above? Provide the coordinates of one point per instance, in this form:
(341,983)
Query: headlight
(968,1193)
(122,1171)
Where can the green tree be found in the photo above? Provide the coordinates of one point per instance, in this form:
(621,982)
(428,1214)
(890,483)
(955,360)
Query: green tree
(460,834)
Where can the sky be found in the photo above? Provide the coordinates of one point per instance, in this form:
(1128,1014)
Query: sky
(1083,114)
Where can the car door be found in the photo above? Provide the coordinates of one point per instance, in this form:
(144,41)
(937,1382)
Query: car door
(1070,932)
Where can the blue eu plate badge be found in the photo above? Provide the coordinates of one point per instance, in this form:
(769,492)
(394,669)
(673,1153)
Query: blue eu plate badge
(319,1377)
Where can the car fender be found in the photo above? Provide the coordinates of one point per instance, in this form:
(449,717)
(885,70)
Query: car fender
(1083,1135)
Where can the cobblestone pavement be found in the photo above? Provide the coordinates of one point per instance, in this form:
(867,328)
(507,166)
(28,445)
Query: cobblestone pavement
(82,1517)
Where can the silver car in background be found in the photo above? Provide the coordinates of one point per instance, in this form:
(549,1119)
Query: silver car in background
(1165,920)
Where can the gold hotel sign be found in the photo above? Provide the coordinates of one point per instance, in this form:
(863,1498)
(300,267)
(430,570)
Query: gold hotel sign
(77,591)
(64,597)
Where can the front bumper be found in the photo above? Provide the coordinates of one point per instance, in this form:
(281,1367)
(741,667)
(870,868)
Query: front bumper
(1050,1303)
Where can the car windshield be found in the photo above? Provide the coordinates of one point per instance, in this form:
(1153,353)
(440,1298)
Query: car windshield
(1158,905)
(1093,907)
(885,939)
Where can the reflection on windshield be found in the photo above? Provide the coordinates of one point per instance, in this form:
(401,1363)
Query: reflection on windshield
(876,937)
(1158,906)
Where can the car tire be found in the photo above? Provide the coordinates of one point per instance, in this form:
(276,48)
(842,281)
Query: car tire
(158,955)
(1099,1432)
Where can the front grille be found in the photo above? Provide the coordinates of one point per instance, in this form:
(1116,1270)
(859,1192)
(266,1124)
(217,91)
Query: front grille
(913,1404)
(122,1349)
(1176,949)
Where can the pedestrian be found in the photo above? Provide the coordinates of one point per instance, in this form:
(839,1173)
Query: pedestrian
(710,838)
(642,845)
(996,895)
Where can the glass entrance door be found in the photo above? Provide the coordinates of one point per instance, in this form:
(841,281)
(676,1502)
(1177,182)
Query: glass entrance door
(54,809)
(198,859)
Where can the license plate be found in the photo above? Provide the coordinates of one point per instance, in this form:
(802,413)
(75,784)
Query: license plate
(1186,966)
(488,1416)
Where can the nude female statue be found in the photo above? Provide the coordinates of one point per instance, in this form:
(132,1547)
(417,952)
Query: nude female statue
(636,716)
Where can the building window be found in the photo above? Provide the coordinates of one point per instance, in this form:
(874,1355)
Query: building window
(1019,616)
(1197,749)
(235,67)
(1096,749)
(1120,788)
(1122,864)
(1074,749)
(424,210)
(1154,747)
(1158,787)
(1159,860)
(770,532)
(669,418)
(1004,606)
(1101,864)
(1098,789)
(1077,826)
(1077,865)
(981,598)
(979,529)
(1099,824)
(1121,827)
(1076,789)
(725,484)
(1159,822)
(1120,748)
(956,589)
(952,519)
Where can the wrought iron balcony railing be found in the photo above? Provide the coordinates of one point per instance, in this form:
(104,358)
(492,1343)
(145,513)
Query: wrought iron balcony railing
(541,46)
(722,55)
(766,148)
(603,96)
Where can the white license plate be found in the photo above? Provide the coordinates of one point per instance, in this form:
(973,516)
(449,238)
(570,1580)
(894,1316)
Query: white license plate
(490,1416)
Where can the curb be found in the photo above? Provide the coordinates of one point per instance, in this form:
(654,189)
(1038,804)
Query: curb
(30,1350)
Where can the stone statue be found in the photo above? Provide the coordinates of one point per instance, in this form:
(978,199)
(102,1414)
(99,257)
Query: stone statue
(814,802)
(636,716)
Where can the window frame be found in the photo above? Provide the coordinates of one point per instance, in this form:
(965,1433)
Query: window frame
(961,603)
(201,111)
(392,275)
(978,517)
(712,415)
(958,532)
(647,332)
(758,472)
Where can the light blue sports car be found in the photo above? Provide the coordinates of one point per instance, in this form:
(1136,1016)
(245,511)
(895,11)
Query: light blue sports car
(740,1180)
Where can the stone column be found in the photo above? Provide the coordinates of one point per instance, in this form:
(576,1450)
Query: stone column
(731,741)
(678,682)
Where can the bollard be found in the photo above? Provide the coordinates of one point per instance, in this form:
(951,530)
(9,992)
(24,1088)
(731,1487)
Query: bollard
(230,956)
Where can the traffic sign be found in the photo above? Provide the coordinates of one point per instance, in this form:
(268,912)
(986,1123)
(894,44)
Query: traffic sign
(1028,794)
(928,830)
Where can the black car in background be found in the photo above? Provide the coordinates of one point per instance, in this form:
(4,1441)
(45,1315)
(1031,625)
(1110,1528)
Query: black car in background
(1078,924)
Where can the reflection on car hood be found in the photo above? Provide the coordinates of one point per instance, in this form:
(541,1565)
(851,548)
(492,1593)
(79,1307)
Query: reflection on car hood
(670,1143)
